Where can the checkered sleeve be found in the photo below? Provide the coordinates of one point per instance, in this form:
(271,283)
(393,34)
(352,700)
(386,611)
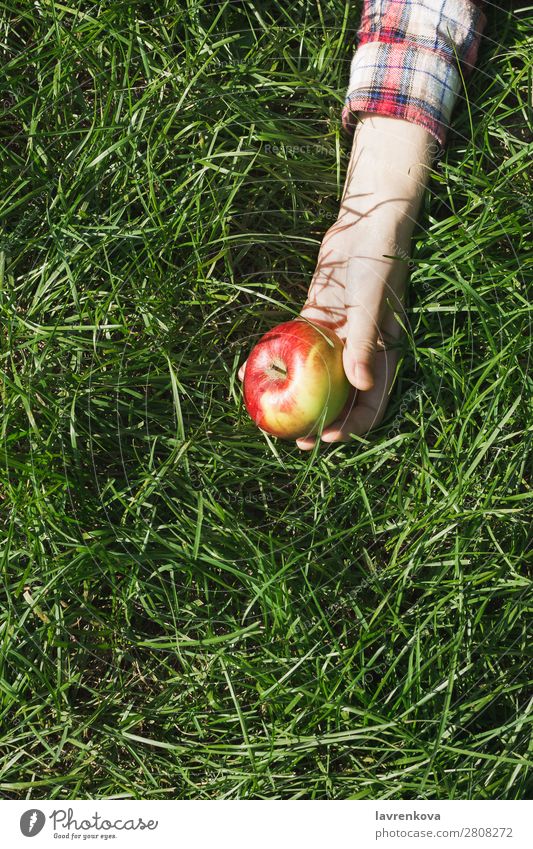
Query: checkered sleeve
(407,60)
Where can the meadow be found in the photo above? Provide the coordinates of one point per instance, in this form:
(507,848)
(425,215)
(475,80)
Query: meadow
(189,608)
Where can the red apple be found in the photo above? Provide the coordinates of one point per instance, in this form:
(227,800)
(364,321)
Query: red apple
(294,376)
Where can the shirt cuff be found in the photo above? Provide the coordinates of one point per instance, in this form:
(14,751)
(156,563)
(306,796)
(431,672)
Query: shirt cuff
(406,64)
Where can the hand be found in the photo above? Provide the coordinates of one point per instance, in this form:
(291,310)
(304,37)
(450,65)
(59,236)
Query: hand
(359,292)
(358,286)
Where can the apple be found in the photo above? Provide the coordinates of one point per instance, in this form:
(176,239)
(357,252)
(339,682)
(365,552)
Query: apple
(294,377)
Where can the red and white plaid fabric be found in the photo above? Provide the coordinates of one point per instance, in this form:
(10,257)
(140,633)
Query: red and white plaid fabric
(406,62)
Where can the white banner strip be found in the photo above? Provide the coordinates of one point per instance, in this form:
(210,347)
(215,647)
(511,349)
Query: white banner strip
(267,824)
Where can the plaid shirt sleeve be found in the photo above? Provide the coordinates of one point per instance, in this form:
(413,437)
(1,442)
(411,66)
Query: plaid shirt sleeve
(406,62)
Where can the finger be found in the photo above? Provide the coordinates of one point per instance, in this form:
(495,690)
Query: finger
(369,408)
(363,418)
(373,281)
(359,355)
(364,308)
(306,443)
(242,370)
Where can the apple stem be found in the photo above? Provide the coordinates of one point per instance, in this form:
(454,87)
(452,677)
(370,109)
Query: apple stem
(279,369)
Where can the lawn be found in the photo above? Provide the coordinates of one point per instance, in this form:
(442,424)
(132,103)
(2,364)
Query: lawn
(190,609)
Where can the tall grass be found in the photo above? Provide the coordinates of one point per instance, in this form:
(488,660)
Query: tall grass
(189,608)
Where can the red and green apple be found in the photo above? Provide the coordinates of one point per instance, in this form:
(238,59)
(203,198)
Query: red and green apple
(294,381)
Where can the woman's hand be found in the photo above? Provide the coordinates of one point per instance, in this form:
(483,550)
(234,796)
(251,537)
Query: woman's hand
(359,293)
(359,282)
(357,288)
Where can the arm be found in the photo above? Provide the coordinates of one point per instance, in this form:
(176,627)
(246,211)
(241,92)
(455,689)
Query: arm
(404,82)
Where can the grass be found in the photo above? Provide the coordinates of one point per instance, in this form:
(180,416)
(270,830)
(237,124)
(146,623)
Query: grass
(190,609)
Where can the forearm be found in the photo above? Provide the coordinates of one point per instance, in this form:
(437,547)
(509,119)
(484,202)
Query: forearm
(387,172)
(404,81)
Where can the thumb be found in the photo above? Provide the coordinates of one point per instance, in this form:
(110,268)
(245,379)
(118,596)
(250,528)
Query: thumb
(358,359)
(360,347)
